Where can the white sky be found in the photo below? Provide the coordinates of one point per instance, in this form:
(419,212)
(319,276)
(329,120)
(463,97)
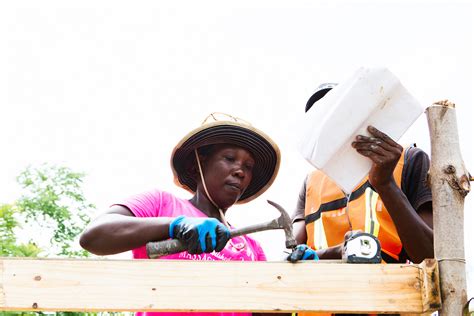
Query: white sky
(109,88)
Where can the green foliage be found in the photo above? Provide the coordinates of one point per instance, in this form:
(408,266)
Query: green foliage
(54,201)
(52,206)
(7,225)
(9,246)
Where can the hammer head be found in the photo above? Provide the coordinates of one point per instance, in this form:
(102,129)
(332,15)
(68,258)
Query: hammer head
(284,222)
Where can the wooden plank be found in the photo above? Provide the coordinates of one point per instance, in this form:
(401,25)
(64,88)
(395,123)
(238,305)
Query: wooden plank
(159,285)
(431,291)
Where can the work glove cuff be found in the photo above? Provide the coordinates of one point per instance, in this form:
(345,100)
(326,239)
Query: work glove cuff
(173,225)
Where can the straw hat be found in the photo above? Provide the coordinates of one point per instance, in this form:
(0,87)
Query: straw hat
(220,128)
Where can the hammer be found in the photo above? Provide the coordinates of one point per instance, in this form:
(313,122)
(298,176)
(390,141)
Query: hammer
(167,247)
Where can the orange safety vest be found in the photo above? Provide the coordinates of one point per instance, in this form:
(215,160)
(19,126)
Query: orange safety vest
(328,218)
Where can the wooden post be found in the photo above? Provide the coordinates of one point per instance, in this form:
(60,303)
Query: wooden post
(449,182)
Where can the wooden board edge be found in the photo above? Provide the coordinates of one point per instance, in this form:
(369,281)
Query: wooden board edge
(415,281)
(430,290)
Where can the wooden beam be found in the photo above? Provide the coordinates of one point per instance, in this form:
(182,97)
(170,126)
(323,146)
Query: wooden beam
(449,181)
(160,285)
(430,292)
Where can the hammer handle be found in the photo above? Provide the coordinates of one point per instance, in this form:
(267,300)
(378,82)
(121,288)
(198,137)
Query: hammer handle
(156,249)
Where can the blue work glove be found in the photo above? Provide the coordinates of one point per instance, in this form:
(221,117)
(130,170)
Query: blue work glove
(199,234)
(302,252)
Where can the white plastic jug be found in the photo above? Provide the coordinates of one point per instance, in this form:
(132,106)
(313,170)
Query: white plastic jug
(371,96)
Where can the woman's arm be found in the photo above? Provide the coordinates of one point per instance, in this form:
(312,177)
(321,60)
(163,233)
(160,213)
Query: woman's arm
(118,230)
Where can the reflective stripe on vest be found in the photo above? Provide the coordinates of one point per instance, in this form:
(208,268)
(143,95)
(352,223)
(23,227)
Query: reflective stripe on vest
(328,218)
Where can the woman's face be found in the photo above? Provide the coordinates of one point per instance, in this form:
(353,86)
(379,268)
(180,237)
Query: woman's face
(227,170)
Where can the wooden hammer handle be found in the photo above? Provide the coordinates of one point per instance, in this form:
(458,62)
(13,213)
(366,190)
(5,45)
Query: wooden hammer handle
(156,249)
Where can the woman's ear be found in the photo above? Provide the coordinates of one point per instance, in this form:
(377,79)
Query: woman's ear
(192,169)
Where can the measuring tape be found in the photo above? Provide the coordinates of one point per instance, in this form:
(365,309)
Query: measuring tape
(362,248)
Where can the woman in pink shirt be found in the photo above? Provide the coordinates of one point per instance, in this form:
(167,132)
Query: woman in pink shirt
(223,162)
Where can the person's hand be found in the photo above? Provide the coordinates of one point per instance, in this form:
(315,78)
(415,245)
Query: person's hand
(347,236)
(199,234)
(302,252)
(384,153)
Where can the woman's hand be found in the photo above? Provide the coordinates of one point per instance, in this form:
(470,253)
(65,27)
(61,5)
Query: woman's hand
(384,153)
(199,234)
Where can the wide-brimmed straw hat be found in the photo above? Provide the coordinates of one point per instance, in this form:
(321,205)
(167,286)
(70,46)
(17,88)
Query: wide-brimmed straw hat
(220,128)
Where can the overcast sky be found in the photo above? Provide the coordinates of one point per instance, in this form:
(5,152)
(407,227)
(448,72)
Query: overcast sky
(109,88)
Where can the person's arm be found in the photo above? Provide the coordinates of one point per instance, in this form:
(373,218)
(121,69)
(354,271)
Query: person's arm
(299,229)
(299,226)
(415,230)
(334,252)
(118,230)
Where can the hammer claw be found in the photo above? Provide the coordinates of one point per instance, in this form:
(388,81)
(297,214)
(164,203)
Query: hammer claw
(277,206)
(286,224)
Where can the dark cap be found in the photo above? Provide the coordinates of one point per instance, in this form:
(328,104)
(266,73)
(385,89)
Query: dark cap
(318,94)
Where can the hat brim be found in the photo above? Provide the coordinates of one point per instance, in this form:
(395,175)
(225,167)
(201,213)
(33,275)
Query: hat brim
(265,152)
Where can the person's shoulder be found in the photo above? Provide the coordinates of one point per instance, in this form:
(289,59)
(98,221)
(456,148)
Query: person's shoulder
(165,195)
(154,203)
(152,194)
(413,149)
(144,204)
(156,196)
(414,153)
(314,173)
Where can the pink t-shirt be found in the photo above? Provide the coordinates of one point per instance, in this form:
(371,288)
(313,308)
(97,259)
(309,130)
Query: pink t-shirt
(163,204)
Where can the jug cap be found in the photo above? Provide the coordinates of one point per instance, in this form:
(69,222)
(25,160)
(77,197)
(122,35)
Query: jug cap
(318,94)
